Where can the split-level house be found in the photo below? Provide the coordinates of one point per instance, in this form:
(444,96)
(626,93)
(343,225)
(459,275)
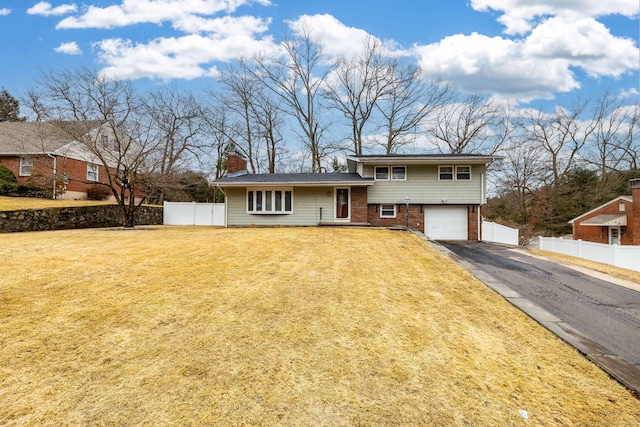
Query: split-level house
(440,195)
(616,222)
(45,154)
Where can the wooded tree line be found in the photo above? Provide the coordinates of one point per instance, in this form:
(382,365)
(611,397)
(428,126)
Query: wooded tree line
(303,111)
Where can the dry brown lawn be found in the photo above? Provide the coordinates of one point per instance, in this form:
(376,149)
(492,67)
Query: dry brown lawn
(18,203)
(622,273)
(315,327)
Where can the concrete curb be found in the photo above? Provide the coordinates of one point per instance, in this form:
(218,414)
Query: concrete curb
(618,368)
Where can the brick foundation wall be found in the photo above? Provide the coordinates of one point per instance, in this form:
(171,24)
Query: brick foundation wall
(473,228)
(416,217)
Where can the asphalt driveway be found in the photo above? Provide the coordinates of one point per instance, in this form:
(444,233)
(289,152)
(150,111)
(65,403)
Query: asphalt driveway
(598,317)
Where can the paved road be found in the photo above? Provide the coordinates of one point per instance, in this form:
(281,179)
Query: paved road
(607,314)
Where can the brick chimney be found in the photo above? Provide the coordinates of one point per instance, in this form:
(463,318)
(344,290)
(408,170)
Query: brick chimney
(635,217)
(236,164)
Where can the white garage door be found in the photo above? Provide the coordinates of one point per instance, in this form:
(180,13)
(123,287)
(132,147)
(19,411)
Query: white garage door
(446,223)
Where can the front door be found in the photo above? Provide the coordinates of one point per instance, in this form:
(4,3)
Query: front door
(342,204)
(614,235)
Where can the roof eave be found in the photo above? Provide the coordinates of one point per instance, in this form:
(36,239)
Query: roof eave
(475,160)
(293,184)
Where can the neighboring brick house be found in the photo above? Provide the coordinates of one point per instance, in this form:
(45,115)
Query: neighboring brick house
(616,222)
(45,155)
(440,195)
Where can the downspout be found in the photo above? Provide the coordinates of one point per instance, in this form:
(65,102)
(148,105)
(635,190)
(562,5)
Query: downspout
(55,174)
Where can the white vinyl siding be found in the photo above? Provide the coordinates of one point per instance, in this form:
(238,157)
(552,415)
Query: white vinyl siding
(307,205)
(423,186)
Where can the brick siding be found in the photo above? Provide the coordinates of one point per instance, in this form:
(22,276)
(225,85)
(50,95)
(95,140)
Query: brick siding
(598,234)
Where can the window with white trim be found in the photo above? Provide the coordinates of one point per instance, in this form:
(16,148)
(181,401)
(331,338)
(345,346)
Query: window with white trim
(445,173)
(92,172)
(458,173)
(271,201)
(387,211)
(105,141)
(26,166)
(463,173)
(394,173)
(399,173)
(382,173)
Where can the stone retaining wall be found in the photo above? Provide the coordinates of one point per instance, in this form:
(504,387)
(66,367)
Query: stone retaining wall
(74,217)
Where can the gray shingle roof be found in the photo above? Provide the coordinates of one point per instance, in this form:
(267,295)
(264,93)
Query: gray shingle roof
(294,179)
(38,137)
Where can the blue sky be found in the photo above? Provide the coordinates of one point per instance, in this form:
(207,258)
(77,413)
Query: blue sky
(547,53)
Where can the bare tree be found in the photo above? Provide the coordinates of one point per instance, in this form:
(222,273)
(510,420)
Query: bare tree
(358,84)
(630,144)
(407,101)
(473,125)
(177,122)
(561,135)
(604,149)
(298,79)
(521,173)
(80,102)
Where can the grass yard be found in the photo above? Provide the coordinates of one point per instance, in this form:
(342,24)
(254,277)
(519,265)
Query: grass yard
(18,203)
(302,327)
(622,273)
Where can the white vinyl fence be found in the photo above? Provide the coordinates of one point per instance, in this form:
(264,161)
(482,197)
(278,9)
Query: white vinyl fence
(492,232)
(620,256)
(194,214)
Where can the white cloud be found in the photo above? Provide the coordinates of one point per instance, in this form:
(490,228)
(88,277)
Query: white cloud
(336,38)
(186,57)
(478,63)
(45,9)
(131,12)
(534,67)
(5,11)
(519,16)
(584,43)
(631,93)
(70,48)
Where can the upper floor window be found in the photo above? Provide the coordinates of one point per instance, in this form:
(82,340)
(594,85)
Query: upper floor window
(26,166)
(458,173)
(445,173)
(105,141)
(92,172)
(272,201)
(621,207)
(463,173)
(382,173)
(398,173)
